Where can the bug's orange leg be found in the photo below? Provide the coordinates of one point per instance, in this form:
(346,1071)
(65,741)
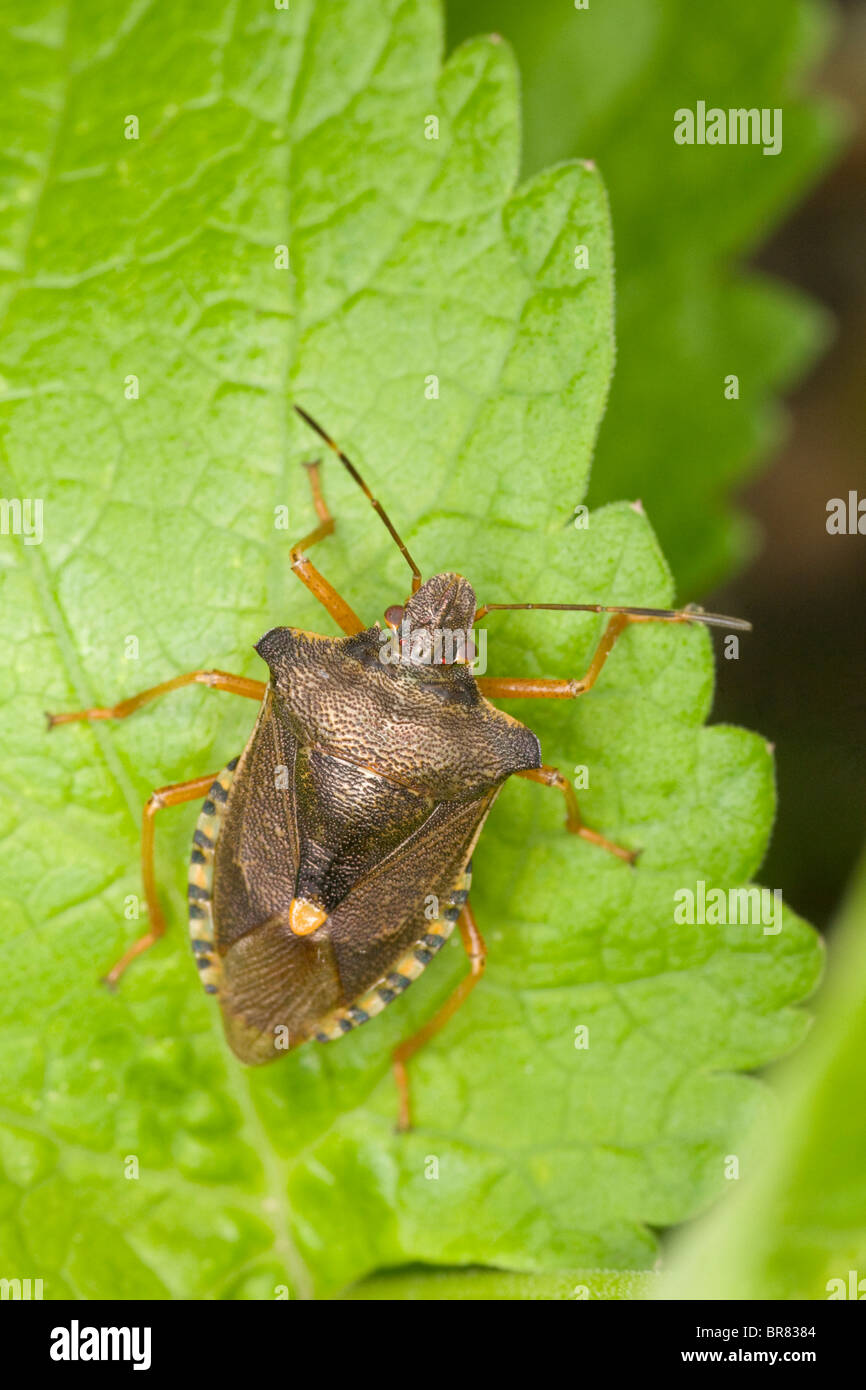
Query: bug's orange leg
(218,680)
(552,777)
(164,796)
(473,942)
(540,688)
(344,616)
(528,688)
(534,688)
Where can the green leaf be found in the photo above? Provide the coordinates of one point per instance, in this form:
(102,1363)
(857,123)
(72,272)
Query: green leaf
(154,258)
(605,82)
(798,1227)
(579,1285)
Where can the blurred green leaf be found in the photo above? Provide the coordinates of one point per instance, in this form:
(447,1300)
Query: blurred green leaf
(494,1284)
(604,83)
(798,1228)
(157,258)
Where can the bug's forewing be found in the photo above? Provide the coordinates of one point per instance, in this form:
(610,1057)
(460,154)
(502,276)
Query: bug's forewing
(257,851)
(269,975)
(386,911)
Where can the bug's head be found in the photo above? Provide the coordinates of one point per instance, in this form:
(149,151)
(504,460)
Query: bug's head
(445,600)
(443,608)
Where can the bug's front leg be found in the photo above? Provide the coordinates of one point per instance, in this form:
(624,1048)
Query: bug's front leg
(552,777)
(165,796)
(332,601)
(542,688)
(476,950)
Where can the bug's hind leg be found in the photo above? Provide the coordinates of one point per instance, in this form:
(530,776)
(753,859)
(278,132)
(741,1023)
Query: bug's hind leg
(344,616)
(217,680)
(164,796)
(552,777)
(476,950)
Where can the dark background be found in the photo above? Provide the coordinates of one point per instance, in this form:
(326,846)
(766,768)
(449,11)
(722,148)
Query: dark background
(801,676)
(806,590)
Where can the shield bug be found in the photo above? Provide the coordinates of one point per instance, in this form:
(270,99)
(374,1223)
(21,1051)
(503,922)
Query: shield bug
(332,858)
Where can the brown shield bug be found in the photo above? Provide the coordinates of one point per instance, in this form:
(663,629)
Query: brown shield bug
(332,858)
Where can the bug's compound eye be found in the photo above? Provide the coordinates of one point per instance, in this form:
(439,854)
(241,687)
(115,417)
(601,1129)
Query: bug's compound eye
(394,616)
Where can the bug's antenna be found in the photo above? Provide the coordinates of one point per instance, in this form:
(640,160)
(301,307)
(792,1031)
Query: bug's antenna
(690,614)
(377,506)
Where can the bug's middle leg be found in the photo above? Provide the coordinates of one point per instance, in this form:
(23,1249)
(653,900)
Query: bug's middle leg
(552,777)
(217,680)
(476,950)
(165,796)
(344,616)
